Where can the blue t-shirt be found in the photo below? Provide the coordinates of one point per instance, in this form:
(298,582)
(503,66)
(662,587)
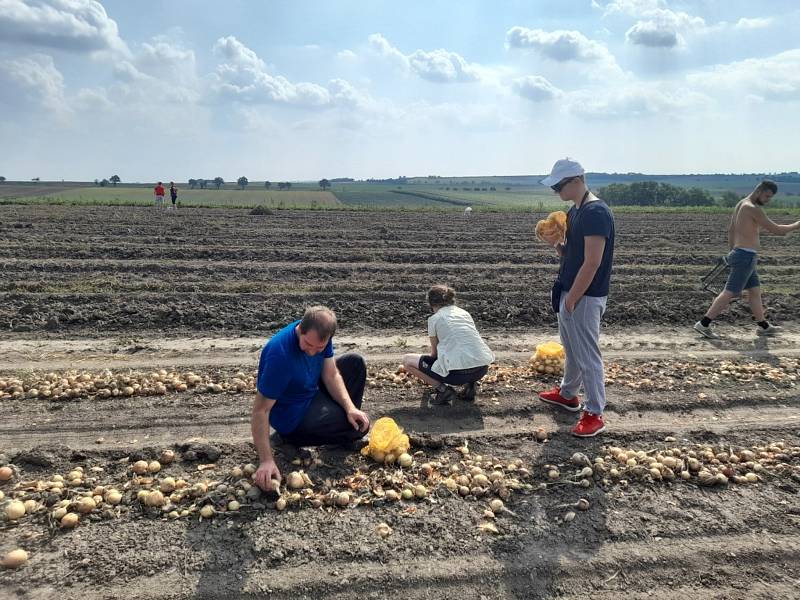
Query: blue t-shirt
(593,218)
(289,376)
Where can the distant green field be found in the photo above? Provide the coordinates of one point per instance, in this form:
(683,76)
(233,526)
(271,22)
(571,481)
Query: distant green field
(511,193)
(227,198)
(383,196)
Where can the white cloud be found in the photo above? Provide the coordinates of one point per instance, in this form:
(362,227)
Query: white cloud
(168,61)
(658,26)
(346,55)
(439,66)
(92,100)
(654,35)
(32,80)
(560,45)
(342,93)
(125,71)
(639,100)
(236,53)
(76,25)
(244,77)
(381,46)
(755,23)
(633,8)
(442,66)
(775,78)
(535,88)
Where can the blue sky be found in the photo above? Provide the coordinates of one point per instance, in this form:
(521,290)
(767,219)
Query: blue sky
(286,90)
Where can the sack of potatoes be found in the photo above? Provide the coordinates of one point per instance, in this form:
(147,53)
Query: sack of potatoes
(553,229)
(548,359)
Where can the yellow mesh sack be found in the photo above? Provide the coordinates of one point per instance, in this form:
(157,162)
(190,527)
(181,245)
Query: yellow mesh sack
(549,350)
(386,437)
(553,228)
(548,359)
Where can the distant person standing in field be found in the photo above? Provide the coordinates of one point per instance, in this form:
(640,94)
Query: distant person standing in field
(579,295)
(173,194)
(459,356)
(158,192)
(468,211)
(747,221)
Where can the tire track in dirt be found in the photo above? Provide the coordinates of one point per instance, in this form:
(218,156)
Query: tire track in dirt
(151,423)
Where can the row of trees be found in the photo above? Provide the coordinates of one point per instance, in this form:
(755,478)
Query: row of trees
(242,182)
(651,193)
(113,180)
(203,183)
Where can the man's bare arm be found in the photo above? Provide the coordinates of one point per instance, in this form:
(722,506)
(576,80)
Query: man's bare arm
(259,427)
(767,224)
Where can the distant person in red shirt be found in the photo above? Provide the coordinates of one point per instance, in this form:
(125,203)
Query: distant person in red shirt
(159,194)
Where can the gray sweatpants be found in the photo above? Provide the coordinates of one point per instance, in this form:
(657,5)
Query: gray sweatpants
(580,335)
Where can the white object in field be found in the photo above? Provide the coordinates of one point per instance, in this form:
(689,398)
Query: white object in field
(468,211)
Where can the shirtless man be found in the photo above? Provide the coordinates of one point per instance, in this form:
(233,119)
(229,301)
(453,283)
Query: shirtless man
(747,221)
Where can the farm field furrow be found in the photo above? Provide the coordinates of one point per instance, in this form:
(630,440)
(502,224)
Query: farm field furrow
(115,270)
(98,304)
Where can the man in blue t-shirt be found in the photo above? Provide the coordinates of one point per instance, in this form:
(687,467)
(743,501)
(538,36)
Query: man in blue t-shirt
(580,295)
(309,398)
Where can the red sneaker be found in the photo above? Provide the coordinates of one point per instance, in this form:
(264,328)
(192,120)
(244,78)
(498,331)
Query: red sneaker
(554,397)
(589,425)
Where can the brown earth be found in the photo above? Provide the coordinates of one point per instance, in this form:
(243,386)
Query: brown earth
(643,539)
(117,271)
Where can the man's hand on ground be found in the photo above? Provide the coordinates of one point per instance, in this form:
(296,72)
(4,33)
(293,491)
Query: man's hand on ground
(359,420)
(266,472)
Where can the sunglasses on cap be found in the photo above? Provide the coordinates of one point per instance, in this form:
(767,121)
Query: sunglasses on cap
(560,185)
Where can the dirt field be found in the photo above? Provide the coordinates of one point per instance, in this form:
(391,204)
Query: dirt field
(117,294)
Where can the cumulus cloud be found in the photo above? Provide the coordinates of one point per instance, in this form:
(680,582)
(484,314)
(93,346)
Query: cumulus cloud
(654,35)
(755,23)
(244,77)
(346,55)
(560,45)
(775,78)
(32,80)
(92,100)
(658,26)
(438,66)
(442,66)
(168,61)
(640,100)
(75,25)
(535,88)
(236,53)
(633,8)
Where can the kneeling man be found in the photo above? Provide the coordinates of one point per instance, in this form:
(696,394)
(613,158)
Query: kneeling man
(309,398)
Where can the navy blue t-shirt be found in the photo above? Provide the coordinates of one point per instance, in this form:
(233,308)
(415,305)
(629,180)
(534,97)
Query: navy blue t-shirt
(289,376)
(593,218)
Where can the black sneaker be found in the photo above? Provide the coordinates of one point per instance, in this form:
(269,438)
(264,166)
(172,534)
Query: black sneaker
(442,397)
(468,392)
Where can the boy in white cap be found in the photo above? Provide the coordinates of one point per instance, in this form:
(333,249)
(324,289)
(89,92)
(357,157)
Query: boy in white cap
(580,294)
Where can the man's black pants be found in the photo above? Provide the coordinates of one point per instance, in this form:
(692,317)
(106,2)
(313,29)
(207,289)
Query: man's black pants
(325,421)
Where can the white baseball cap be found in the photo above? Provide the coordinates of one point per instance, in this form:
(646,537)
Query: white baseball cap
(566,167)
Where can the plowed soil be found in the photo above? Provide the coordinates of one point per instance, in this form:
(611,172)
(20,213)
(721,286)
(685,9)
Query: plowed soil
(130,290)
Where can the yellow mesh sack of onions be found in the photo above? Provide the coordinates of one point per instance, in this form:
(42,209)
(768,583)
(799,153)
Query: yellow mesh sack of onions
(548,358)
(386,441)
(553,228)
